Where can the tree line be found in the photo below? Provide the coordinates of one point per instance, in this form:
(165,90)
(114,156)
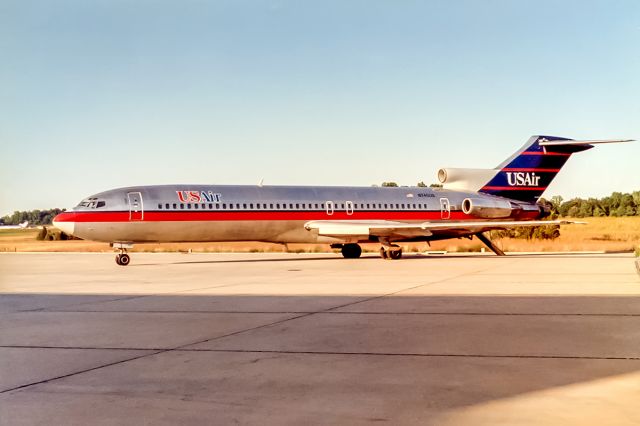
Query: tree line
(616,204)
(34,217)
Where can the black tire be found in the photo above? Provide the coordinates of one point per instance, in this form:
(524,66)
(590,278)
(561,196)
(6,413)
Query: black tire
(124,260)
(118,259)
(383,253)
(395,254)
(351,251)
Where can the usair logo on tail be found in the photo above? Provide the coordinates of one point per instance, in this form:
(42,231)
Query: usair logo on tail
(522,179)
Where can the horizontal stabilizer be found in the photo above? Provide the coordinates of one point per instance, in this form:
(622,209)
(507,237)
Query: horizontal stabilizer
(574,142)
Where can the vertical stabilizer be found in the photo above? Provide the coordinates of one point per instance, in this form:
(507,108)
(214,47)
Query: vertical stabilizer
(527,173)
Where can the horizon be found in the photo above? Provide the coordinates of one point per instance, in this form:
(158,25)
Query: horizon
(105,95)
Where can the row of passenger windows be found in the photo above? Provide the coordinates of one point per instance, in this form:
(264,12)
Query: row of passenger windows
(291,206)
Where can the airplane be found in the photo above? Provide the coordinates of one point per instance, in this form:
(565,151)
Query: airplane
(470,202)
(23,225)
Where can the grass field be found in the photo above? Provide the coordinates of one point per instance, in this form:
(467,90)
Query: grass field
(600,234)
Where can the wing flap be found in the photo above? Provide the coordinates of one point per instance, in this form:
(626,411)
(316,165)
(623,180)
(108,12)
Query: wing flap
(398,230)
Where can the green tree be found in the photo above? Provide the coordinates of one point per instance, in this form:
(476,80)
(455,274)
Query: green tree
(35,217)
(389,184)
(421,184)
(556,202)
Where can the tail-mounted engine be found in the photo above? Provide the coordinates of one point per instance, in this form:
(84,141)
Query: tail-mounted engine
(487,208)
(465,179)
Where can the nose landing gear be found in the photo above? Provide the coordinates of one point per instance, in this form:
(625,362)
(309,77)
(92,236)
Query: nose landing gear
(122,258)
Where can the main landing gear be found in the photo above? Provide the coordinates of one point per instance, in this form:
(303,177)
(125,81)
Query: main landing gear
(122,258)
(351,251)
(391,252)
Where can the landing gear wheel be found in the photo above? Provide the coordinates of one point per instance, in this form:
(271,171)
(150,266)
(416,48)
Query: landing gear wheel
(395,254)
(351,251)
(123,259)
(383,253)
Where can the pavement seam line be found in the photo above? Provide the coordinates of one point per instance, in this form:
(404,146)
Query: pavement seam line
(407,354)
(154,352)
(404,289)
(587,314)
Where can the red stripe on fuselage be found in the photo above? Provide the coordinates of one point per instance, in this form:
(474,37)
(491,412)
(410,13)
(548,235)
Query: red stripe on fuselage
(198,216)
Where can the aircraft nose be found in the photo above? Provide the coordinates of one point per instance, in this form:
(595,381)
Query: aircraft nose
(65,222)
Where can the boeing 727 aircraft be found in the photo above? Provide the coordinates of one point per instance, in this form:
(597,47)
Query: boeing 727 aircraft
(471,202)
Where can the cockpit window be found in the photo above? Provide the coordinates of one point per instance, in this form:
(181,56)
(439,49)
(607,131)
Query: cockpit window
(92,203)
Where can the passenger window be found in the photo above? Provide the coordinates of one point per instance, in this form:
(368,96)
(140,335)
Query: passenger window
(251,206)
(181,206)
(196,206)
(175,206)
(166,206)
(244,206)
(237,206)
(159,205)
(217,206)
(271,206)
(385,206)
(188,205)
(291,206)
(230,206)
(278,206)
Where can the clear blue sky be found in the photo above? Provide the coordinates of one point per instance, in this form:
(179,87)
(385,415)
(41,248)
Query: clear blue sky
(101,94)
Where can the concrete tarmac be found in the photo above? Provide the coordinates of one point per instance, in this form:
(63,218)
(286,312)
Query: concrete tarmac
(276,339)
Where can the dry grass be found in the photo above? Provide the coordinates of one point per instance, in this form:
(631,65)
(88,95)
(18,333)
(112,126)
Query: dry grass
(601,233)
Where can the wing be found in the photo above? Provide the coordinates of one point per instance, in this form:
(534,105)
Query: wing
(401,230)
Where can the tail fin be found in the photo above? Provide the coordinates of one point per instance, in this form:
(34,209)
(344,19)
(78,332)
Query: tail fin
(526,174)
